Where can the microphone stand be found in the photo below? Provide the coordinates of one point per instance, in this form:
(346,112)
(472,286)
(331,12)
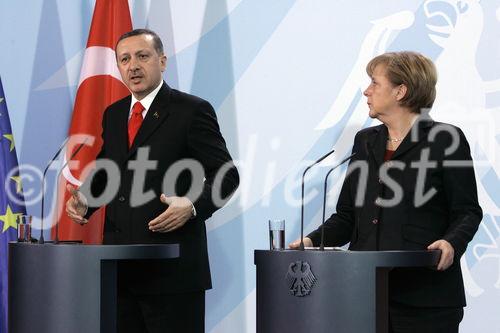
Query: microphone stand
(41,240)
(302,205)
(322,245)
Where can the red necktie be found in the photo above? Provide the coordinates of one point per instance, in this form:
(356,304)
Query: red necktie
(135,122)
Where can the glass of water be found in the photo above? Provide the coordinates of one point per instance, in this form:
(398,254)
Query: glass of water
(277,234)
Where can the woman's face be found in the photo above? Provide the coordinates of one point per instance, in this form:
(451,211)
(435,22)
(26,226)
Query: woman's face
(382,95)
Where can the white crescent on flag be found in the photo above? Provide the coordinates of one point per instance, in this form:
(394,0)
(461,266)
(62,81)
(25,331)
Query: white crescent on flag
(99,60)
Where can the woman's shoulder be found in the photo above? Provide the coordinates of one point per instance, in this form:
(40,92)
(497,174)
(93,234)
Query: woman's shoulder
(367,133)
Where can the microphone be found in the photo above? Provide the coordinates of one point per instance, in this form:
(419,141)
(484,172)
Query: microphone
(57,182)
(322,245)
(41,240)
(302,205)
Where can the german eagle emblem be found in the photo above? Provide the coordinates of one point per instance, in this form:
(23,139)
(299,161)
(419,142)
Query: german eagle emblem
(300,278)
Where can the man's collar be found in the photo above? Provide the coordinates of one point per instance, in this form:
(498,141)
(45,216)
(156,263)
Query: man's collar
(148,100)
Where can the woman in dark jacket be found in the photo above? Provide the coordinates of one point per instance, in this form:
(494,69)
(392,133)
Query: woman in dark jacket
(410,186)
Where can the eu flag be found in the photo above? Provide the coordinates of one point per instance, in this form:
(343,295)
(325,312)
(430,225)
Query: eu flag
(11,202)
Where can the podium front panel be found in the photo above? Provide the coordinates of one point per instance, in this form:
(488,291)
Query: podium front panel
(327,291)
(69,288)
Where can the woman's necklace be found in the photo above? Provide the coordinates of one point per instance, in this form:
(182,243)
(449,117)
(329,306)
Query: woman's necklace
(396,140)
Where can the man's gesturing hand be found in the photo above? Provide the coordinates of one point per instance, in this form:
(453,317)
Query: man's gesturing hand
(76,206)
(447,253)
(179,211)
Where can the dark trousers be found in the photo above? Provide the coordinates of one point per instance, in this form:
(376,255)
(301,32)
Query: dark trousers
(407,319)
(161,313)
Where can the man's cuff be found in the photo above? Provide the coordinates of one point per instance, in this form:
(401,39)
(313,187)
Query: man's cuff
(193,211)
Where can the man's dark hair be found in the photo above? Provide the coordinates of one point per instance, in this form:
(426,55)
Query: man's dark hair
(158,45)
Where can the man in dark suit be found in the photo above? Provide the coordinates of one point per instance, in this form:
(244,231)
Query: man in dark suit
(410,186)
(174,172)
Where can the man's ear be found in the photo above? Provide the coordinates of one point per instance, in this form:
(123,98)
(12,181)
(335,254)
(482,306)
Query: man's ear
(163,62)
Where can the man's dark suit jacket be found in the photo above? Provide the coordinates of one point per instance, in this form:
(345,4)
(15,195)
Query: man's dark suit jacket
(177,126)
(452,213)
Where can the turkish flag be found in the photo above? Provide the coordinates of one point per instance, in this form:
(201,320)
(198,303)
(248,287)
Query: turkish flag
(100,85)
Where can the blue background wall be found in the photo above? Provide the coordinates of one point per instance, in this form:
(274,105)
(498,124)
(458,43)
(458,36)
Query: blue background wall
(286,78)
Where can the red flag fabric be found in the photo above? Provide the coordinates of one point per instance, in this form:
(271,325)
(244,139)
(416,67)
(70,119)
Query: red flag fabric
(100,85)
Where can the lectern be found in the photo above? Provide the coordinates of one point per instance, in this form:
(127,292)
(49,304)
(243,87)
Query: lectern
(328,291)
(61,288)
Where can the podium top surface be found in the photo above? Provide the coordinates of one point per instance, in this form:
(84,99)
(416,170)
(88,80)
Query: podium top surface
(372,258)
(106,252)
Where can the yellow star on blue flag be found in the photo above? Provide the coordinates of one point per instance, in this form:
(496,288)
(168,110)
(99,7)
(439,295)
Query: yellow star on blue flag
(19,186)
(11,139)
(9,219)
